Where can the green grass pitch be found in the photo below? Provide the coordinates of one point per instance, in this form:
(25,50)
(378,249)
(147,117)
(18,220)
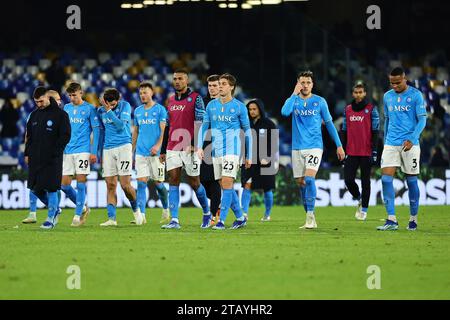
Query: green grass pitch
(274,260)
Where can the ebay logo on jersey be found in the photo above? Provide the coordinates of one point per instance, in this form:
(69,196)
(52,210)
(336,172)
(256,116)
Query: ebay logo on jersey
(177,108)
(356,118)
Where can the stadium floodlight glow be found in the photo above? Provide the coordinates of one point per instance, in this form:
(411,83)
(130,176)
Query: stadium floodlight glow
(169,2)
(160,2)
(149,2)
(232,5)
(254,2)
(295,0)
(126,5)
(223,6)
(246,6)
(271,1)
(138,6)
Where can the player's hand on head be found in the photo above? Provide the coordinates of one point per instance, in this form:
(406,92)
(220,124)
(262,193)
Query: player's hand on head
(298,88)
(93,158)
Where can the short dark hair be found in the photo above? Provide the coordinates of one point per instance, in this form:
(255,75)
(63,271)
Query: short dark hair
(398,71)
(360,85)
(181,70)
(213,77)
(146,84)
(39,92)
(111,94)
(306,74)
(73,87)
(231,80)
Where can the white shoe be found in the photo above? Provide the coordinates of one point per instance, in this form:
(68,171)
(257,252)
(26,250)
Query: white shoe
(109,223)
(165,217)
(76,222)
(30,219)
(265,218)
(85,214)
(310,222)
(246,216)
(144,221)
(138,217)
(361,216)
(358,210)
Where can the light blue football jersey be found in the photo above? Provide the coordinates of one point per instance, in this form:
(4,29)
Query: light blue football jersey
(226,121)
(403,111)
(307,116)
(83,119)
(148,121)
(117,125)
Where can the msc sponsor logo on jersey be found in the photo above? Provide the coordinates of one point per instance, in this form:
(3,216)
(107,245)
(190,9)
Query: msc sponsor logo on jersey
(399,108)
(147,121)
(306,112)
(223,118)
(76,120)
(177,108)
(356,118)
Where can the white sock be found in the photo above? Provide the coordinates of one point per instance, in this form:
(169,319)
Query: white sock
(175,220)
(241,218)
(207,214)
(413,218)
(33,214)
(310,213)
(392,218)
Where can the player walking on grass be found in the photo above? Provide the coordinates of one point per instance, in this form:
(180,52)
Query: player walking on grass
(149,124)
(47,134)
(117,153)
(405,118)
(80,153)
(185,113)
(258,176)
(212,186)
(308,111)
(359,137)
(31,218)
(227,116)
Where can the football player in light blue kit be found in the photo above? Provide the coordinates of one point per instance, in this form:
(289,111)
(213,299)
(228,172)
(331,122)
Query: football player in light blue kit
(405,118)
(308,111)
(227,116)
(117,161)
(149,124)
(79,152)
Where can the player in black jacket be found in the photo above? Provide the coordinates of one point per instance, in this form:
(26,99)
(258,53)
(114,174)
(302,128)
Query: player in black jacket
(48,132)
(261,174)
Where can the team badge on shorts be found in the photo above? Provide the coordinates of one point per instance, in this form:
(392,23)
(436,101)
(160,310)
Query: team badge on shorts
(232,110)
(408,100)
(315,104)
